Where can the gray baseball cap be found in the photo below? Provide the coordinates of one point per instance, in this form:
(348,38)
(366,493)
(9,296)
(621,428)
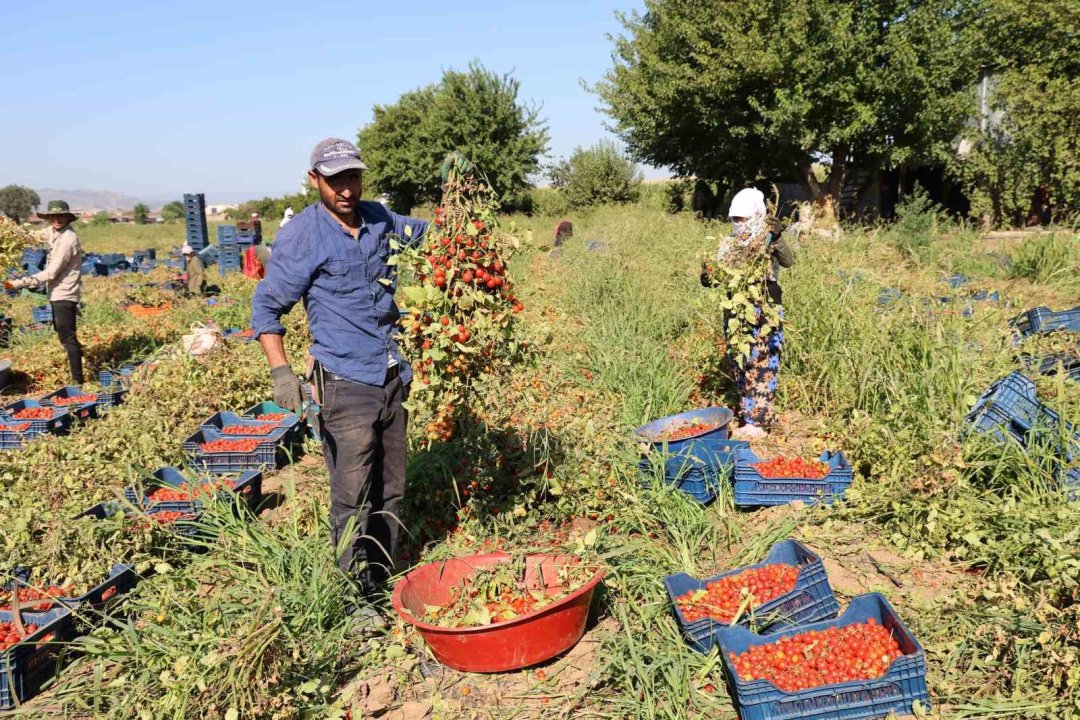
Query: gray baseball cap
(334,155)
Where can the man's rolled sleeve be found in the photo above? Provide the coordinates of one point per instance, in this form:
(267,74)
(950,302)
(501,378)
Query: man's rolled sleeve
(59,254)
(288,278)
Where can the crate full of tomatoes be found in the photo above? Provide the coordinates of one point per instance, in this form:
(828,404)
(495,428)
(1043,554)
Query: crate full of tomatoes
(80,404)
(268,411)
(790,587)
(864,664)
(782,480)
(42,418)
(31,652)
(690,451)
(170,488)
(36,592)
(216,452)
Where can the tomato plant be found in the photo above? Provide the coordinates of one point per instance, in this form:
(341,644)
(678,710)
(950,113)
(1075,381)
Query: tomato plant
(738,297)
(460,321)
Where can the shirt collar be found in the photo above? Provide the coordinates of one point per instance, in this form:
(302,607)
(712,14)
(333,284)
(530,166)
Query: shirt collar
(334,221)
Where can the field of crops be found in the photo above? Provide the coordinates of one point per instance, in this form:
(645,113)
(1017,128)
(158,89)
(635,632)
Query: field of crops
(972,543)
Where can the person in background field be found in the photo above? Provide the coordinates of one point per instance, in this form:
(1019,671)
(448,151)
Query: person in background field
(757,381)
(62,278)
(335,257)
(196,271)
(287,218)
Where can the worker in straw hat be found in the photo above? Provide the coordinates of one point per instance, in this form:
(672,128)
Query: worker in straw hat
(756,381)
(62,278)
(196,271)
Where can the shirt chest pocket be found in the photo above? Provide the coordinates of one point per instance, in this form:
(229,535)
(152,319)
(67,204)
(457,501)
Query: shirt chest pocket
(343,276)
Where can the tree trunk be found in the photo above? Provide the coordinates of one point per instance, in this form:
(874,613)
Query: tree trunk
(826,196)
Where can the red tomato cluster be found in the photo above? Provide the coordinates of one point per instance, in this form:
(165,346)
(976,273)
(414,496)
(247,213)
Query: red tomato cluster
(186,493)
(271,417)
(9,634)
(74,400)
(34,599)
(17,427)
(221,446)
(38,413)
(721,599)
(168,517)
(862,651)
(783,467)
(681,431)
(247,333)
(249,429)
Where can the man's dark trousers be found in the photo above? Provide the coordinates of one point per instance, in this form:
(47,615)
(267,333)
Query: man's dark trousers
(64,313)
(363,430)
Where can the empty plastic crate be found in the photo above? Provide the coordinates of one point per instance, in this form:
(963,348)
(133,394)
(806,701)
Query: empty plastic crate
(752,489)
(1044,320)
(811,600)
(42,314)
(895,692)
(1010,408)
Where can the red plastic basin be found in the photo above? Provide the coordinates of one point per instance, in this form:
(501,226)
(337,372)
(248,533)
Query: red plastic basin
(509,645)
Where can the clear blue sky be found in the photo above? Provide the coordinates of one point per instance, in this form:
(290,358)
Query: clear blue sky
(154,99)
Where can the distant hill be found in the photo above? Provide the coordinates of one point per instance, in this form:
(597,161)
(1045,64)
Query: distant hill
(94,200)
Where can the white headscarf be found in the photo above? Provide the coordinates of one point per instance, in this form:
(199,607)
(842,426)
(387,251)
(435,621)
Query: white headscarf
(748,203)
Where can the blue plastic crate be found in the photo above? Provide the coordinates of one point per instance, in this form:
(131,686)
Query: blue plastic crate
(270,453)
(187,527)
(26,667)
(957,280)
(986,296)
(1042,320)
(699,469)
(1010,408)
(247,489)
(887,296)
(84,411)
(291,422)
(42,314)
(14,438)
(754,490)
(811,600)
(228,419)
(57,424)
(33,259)
(896,691)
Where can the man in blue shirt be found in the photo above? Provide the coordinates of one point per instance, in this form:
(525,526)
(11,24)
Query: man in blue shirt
(334,257)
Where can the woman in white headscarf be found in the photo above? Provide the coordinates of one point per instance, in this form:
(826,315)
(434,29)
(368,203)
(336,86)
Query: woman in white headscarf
(757,380)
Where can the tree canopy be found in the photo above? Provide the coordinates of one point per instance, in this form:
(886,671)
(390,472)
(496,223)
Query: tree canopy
(173,211)
(141,213)
(477,112)
(18,202)
(595,175)
(1023,161)
(734,91)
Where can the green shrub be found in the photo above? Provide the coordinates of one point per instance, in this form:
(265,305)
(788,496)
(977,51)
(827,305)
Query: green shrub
(597,175)
(917,219)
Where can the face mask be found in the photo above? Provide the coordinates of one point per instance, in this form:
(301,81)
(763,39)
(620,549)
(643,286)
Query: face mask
(738,228)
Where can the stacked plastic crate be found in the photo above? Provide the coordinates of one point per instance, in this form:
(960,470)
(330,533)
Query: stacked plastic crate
(228,249)
(249,233)
(195,218)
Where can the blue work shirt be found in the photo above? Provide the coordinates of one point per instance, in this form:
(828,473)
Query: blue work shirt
(351,314)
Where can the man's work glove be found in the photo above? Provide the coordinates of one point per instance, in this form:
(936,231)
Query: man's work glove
(456,158)
(287,388)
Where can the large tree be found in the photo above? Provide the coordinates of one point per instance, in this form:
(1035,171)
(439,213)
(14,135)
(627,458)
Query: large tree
(736,91)
(18,202)
(477,112)
(1021,161)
